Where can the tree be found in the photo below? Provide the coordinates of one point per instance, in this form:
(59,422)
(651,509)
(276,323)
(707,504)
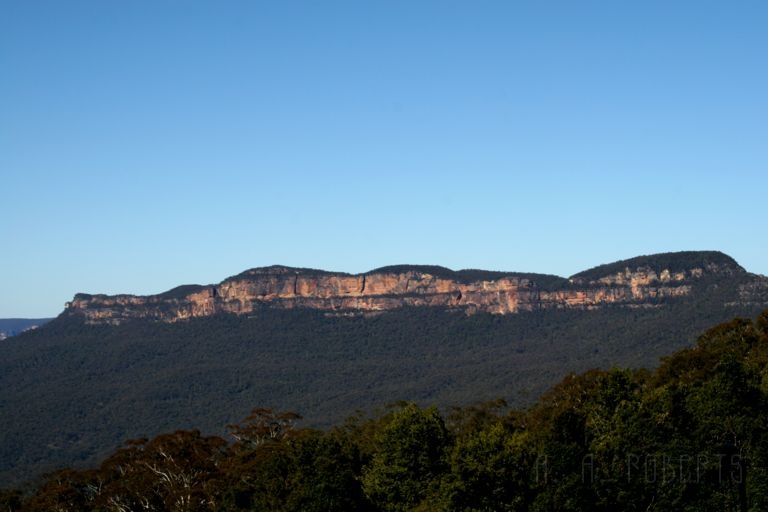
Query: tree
(263,425)
(490,470)
(177,472)
(409,461)
(62,491)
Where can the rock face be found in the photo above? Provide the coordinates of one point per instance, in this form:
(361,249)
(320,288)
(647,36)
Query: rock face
(641,282)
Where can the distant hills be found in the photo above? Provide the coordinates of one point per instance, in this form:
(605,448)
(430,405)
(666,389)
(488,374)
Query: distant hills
(326,344)
(13,326)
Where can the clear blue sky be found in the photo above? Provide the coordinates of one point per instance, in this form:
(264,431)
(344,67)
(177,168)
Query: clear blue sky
(147,144)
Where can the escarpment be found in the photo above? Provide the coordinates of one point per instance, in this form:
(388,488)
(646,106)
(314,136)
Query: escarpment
(641,282)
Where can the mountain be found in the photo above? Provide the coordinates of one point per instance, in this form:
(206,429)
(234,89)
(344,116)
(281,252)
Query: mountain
(613,439)
(326,344)
(13,326)
(640,282)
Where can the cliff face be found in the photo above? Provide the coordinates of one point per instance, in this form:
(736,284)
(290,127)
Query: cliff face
(639,284)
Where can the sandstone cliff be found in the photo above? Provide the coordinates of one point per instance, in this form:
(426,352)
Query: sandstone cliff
(641,282)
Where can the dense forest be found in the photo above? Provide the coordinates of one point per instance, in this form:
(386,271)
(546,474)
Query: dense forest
(71,393)
(690,436)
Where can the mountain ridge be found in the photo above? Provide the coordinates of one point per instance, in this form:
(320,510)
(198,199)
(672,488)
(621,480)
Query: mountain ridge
(672,261)
(75,388)
(642,281)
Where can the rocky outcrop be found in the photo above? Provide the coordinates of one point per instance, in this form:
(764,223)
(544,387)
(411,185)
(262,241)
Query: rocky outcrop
(639,283)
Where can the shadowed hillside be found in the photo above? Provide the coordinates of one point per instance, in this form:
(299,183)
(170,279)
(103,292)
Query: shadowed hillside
(688,436)
(70,392)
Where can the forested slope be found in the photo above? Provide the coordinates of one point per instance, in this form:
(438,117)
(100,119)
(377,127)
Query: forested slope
(74,389)
(70,393)
(689,436)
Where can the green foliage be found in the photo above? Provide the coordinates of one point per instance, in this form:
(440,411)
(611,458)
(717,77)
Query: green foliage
(274,467)
(410,456)
(143,378)
(690,436)
(490,470)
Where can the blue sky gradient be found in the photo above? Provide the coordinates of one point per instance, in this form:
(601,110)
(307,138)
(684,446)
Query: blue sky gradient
(147,144)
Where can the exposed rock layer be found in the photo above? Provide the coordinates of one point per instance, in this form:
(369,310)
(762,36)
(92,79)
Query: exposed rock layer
(638,285)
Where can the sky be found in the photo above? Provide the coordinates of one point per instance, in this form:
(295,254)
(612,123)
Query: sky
(148,144)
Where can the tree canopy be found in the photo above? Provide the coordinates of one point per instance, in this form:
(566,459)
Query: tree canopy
(690,436)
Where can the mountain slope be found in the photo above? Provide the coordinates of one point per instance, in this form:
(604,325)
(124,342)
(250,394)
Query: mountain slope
(72,391)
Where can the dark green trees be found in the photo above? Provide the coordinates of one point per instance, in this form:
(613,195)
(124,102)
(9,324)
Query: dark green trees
(274,466)
(410,457)
(691,436)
